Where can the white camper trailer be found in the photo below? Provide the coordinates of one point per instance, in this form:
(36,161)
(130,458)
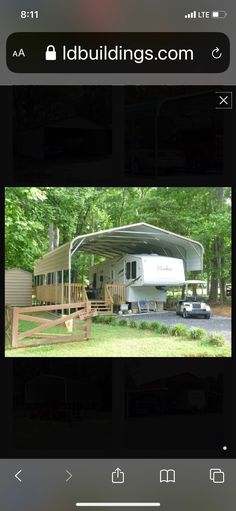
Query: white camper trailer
(146,277)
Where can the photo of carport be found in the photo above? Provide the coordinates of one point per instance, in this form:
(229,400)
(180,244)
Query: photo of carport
(53,282)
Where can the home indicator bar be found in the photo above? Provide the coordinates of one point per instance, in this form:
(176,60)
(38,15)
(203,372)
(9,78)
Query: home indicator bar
(118,504)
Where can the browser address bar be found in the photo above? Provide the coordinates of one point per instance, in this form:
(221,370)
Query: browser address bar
(87,52)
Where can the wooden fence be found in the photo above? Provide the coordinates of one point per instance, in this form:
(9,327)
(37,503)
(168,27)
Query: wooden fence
(13,315)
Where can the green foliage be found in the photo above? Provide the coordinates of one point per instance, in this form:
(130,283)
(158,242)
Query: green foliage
(196,333)
(95,319)
(164,329)
(122,322)
(214,339)
(132,323)
(24,226)
(143,325)
(105,320)
(179,330)
(99,319)
(110,341)
(109,320)
(155,325)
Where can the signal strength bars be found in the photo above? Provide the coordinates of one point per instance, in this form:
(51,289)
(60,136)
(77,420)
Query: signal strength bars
(192,14)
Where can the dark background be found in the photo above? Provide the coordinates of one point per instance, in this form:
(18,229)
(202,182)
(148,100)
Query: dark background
(119,135)
(120,408)
(150,136)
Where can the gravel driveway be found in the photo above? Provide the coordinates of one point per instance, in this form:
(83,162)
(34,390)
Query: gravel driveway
(216,323)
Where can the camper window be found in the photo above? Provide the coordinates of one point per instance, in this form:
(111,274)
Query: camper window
(127,272)
(134,270)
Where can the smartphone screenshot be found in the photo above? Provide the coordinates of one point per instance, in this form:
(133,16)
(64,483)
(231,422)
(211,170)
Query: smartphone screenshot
(117,362)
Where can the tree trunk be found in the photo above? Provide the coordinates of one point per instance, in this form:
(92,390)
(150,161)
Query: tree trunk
(214,272)
(214,288)
(222,290)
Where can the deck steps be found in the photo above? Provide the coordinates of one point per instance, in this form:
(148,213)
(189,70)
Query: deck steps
(102,306)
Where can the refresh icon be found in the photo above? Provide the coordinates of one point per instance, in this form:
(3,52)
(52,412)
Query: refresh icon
(216,53)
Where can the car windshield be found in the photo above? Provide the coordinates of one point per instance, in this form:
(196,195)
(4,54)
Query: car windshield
(195,298)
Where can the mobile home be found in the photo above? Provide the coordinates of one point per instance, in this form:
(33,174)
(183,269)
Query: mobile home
(146,277)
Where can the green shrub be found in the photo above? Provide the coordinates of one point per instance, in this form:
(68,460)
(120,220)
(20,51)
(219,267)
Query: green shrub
(143,325)
(102,319)
(196,333)
(113,321)
(214,339)
(164,329)
(123,322)
(154,325)
(133,324)
(109,320)
(179,330)
(99,319)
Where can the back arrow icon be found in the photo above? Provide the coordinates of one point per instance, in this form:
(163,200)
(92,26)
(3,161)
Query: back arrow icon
(16,476)
(70,476)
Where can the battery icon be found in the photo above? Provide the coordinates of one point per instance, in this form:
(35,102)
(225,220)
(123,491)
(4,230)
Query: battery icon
(218,14)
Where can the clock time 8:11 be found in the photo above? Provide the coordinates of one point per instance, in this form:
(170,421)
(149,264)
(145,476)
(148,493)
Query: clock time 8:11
(29,14)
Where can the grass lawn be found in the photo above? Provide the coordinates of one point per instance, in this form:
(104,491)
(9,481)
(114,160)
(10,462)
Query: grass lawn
(122,341)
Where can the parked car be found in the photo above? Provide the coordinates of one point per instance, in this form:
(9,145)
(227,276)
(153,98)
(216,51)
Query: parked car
(192,306)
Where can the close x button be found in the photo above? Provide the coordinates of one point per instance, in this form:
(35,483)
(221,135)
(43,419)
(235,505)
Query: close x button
(224,100)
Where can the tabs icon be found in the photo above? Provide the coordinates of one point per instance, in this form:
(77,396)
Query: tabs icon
(217,475)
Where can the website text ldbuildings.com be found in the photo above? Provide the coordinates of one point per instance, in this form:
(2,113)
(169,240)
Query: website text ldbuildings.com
(119,53)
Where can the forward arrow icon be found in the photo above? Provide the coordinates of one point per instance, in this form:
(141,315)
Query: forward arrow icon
(70,476)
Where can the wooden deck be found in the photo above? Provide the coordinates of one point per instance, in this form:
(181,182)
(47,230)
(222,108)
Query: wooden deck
(56,293)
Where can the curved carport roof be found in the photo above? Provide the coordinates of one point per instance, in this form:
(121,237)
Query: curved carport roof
(140,238)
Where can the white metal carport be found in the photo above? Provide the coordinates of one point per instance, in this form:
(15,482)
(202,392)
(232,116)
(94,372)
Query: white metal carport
(129,239)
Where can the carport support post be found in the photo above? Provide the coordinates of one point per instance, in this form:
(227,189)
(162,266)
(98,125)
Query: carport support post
(69,283)
(62,289)
(56,297)
(69,288)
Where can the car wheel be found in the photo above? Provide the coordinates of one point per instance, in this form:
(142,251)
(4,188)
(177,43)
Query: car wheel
(185,314)
(207,316)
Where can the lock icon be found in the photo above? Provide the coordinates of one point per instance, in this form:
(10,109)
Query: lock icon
(51,53)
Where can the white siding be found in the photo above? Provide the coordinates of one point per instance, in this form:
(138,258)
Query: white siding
(18,287)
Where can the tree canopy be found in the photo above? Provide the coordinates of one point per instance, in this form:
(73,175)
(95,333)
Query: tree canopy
(201,213)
